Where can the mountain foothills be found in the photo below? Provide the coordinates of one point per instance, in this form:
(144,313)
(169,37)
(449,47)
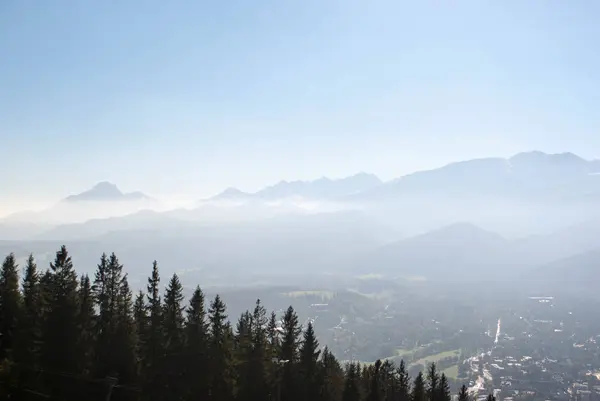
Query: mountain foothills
(80,338)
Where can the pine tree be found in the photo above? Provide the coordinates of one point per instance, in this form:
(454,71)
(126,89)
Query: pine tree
(221,358)
(443,391)
(418,391)
(331,377)
(10,305)
(30,322)
(196,348)
(403,382)
(154,343)
(273,335)
(107,281)
(243,357)
(374,390)
(290,336)
(463,394)
(273,370)
(173,321)
(260,357)
(140,319)
(61,332)
(61,335)
(433,382)
(85,323)
(389,381)
(308,364)
(45,293)
(289,355)
(352,385)
(125,365)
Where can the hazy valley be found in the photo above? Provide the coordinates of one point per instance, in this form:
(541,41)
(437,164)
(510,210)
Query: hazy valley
(450,223)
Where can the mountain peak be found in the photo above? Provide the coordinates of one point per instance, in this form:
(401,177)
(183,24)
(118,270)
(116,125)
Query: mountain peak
(538,156)
(231,193)
(106,186)
(105,191)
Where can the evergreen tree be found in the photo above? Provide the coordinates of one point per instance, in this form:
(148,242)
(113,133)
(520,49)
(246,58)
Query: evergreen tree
(173,322)
(290,336)
(85,323)
(61,331)
(243,357)
(154,344)
(10,304)
(125,365)
(30,322)
(107,282)
(196,348)
(403,383)
(273,335)
(352,385)
(463,394)
(173,319)
(443,391)
(289,355)
(221,358)
(308,365)
(260,357)
(45,294)
(418,391)
(433,383)
(374,390)
(140,319)
(388,381)
(273,370)
(331,377)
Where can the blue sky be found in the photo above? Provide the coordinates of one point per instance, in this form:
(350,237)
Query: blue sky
(185,98)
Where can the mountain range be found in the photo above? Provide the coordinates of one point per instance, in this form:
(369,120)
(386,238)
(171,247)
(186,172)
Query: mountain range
(320,189)
(103,200)
(489,218)
(106,191)
(524,175)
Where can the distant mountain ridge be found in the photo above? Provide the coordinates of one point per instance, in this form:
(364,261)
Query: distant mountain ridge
(322,188)
(522,175)
(103,200)
(526,193)
(106,191)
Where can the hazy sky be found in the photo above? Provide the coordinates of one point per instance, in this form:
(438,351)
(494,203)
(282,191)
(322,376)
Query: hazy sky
(184,98)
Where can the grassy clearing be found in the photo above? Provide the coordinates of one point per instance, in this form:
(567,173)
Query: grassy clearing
(437,357)
(402,352)
(451,372)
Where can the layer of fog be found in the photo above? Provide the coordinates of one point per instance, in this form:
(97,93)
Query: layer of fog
(491,219)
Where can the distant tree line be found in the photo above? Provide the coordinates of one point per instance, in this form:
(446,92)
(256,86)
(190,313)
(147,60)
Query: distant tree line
(64,337)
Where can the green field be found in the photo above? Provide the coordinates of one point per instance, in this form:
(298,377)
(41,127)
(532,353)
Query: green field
(451,372)
(437,357)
